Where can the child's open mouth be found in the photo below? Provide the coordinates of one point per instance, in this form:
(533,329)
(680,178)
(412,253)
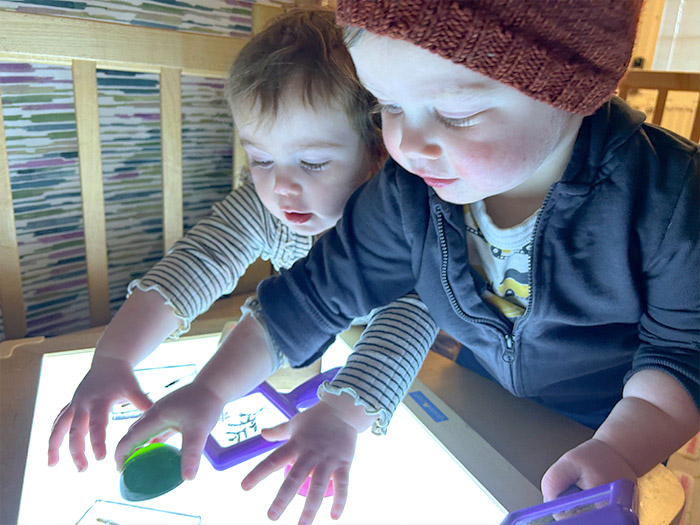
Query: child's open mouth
(297,218)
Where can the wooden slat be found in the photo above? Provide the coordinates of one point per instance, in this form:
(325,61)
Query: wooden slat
(171,151)
(11,297)
(240,159)
(659,106)
(648,31)
(663,82)
(262,14)
(670,80)
(622,91)
(114,46)
(90,159)
(695,133)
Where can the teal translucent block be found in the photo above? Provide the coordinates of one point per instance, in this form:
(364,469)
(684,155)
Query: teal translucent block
(149,472)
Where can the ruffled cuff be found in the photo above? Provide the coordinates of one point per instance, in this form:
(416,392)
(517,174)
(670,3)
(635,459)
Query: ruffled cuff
(383,416)
(253,308)
(186,322)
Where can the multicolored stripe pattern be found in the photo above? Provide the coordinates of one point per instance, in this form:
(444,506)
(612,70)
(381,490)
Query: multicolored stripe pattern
(221,17)
(42,149)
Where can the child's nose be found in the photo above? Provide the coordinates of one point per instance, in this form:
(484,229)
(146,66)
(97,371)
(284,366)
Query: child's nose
(414,145)
(286,186)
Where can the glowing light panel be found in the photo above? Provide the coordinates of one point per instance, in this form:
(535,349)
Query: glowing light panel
(404,477)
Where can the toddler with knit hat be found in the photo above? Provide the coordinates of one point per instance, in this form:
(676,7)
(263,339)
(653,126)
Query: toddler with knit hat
(543,223)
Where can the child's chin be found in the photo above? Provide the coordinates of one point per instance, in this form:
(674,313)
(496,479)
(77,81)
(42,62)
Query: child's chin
(306,229)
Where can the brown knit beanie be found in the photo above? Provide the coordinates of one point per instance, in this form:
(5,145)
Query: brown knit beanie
(570,54)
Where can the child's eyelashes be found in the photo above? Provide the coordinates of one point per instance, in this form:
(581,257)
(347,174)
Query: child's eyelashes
(314,166)
(445,120)
(392,109)
(455,122)
(308,166)
(264,164)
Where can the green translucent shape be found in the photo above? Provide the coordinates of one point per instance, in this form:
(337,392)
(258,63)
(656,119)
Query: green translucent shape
(150,471)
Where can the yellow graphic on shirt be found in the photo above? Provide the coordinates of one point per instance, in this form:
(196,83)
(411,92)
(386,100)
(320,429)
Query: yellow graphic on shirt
(510,296)
(512,287)
(495,264)
(510,310)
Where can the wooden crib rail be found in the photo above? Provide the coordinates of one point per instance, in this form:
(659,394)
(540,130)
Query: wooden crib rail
(28,37)
(10,277)
(663,82)
(88,45)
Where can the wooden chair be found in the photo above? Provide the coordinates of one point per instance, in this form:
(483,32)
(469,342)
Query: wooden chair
(664,82)
(87,45)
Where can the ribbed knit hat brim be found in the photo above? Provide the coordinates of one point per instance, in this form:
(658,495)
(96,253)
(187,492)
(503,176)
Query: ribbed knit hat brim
(570,54)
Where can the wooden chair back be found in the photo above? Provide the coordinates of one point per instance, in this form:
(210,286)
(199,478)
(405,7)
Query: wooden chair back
(664,82)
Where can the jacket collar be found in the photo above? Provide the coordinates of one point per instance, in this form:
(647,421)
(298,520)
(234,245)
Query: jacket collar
(599,137)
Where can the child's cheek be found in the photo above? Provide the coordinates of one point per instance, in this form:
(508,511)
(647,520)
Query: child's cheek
(263,188)
(474,159)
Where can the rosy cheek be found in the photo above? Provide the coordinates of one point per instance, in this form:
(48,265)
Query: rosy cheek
(472,158)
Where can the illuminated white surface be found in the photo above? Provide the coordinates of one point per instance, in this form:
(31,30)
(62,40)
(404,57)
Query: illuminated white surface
(405,477)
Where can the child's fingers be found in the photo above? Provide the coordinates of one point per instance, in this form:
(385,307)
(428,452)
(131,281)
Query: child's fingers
(278,433)
(192,447)
(76,438)
(291,485)
(60,427)
(141,431)
(165,436)
(275,461)
(317,489)
(98,429)
(558,478)
(341,482)
(140,400)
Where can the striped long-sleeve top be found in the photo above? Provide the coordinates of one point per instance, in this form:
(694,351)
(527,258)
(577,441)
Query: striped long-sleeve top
(207,263)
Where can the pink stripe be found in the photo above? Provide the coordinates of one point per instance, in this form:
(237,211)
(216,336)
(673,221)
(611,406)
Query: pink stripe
(60,237)
(67,253)
(48,106)
(42,163)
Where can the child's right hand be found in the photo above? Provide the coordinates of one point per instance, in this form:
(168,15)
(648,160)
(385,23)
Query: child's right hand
(192,410)
(108,381)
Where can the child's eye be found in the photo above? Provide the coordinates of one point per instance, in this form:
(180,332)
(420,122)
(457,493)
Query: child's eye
(264,164)
(314,166)
(392,109)
(455,122)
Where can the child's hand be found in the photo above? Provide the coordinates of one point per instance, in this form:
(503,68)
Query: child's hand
(192,410)
(590,464)
(108,381)
(321,444)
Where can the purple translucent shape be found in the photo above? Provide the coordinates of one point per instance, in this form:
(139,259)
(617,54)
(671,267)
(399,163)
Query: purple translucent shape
(610,504)
(290,404)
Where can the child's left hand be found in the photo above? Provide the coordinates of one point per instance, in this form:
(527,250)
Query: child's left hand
(321,444)
(588,465)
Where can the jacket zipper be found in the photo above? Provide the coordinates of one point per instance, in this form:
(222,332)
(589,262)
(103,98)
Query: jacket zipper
(530,265)
(509,355)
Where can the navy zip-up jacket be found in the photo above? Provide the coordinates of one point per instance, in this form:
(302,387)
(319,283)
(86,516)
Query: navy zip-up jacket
(614,277)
